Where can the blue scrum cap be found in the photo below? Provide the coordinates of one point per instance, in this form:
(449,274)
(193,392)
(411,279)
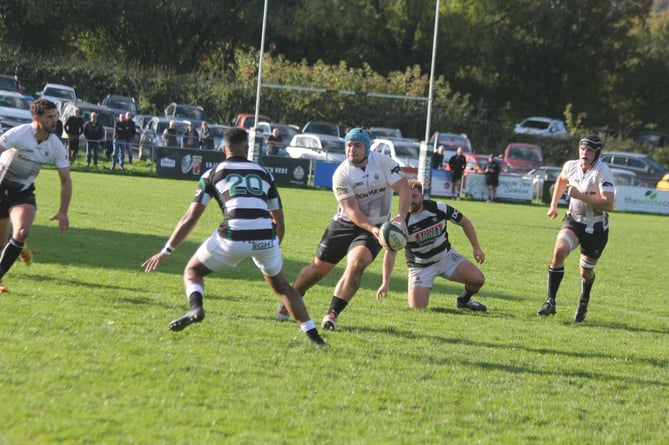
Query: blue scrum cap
(360,135)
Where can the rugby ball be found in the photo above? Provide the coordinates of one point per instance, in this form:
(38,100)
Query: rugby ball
(392,236)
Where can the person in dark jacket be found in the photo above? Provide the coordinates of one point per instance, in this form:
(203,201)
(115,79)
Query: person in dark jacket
(94,133)
(74,127)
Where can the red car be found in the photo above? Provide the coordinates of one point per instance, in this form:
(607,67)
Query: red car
(248,120)
(523,157)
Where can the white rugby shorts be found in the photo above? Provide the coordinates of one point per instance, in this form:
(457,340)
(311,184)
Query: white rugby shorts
(218,253)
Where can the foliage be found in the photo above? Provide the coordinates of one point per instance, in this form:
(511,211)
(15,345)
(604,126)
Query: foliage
(87,357)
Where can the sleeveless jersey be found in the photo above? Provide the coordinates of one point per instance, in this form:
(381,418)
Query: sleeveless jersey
(24,157)
(371,186)
(597,179)
(428,238)
(245,192)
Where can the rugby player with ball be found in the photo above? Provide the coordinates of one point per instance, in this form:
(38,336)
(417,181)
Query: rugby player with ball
(429,253)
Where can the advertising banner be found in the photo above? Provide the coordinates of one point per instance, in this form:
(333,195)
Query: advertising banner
(286,170)
(185,163)
(642,199)
(510,187)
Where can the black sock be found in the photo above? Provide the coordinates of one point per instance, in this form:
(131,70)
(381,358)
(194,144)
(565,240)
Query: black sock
(195,300)
(554,279)
(586,287)
(466,295)
(10,253)
(337,305)
(315,337)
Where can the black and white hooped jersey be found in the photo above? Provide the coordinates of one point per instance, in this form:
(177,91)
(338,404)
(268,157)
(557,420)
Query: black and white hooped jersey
(428,236)
(371,186)
(24,157)
(598,179)
(245,192)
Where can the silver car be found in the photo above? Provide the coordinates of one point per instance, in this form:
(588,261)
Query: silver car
(319,147)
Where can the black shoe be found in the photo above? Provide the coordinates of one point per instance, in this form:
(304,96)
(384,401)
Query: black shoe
(547,309)
(193,316)
(471,304)
(316,339)
(581,311)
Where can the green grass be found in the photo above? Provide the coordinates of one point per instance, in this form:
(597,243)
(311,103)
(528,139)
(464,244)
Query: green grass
(86,357)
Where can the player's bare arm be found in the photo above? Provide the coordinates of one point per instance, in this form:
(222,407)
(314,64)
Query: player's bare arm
(558,191)
(388,264)
(183,228)
(470,233)
(279,222)
(352,209)
(401,187)
(65,198)
(600,201)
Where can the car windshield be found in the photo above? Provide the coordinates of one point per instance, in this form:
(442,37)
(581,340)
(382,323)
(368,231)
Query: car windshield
(539,125)
(406,151)
(287,133)
(333,145)
(60,93)
(121,104)
(107,119)
(8,84)
(322,129)
(191,113)
(217,132)
(14,102)
(453,141)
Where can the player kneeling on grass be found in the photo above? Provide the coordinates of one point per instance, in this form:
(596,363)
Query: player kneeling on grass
(429,253)
(253,227)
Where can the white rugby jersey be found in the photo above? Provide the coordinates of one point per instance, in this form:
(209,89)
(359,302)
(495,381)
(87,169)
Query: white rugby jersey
(245,192)
(428,235)
(371,186)
(597,179)
(24,157)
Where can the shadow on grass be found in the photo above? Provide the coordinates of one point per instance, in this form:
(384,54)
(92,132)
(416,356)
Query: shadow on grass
(514,348)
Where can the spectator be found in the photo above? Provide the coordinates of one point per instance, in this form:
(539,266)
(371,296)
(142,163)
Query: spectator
(492,177)
(274,142)
(206,138)
(190,138)
(74,127)
(120,139)
(131,132)
(457,164)
(438,158)
(170,135)
(94,133)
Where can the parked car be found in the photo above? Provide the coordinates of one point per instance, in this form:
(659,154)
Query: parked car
(14,110)
(451,142)
(545,174)
(248,120)
(653,138)
(120,104)
(405,153)
(285,131)
(647,170)
(152,134)
(663,184)
(192,113)
(217,132)
(626,177)
(105,116)
(328,128)
(10,83)
(385,133)
(523,157)
(60,94)
(319,147)
(542,126)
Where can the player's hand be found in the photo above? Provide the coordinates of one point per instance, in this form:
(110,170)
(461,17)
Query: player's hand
(402,224)
(382,292)
(552,212)
(152,263)
(479,256)
(63,221)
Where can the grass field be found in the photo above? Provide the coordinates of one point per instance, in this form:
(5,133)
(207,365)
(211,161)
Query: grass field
(86,356)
